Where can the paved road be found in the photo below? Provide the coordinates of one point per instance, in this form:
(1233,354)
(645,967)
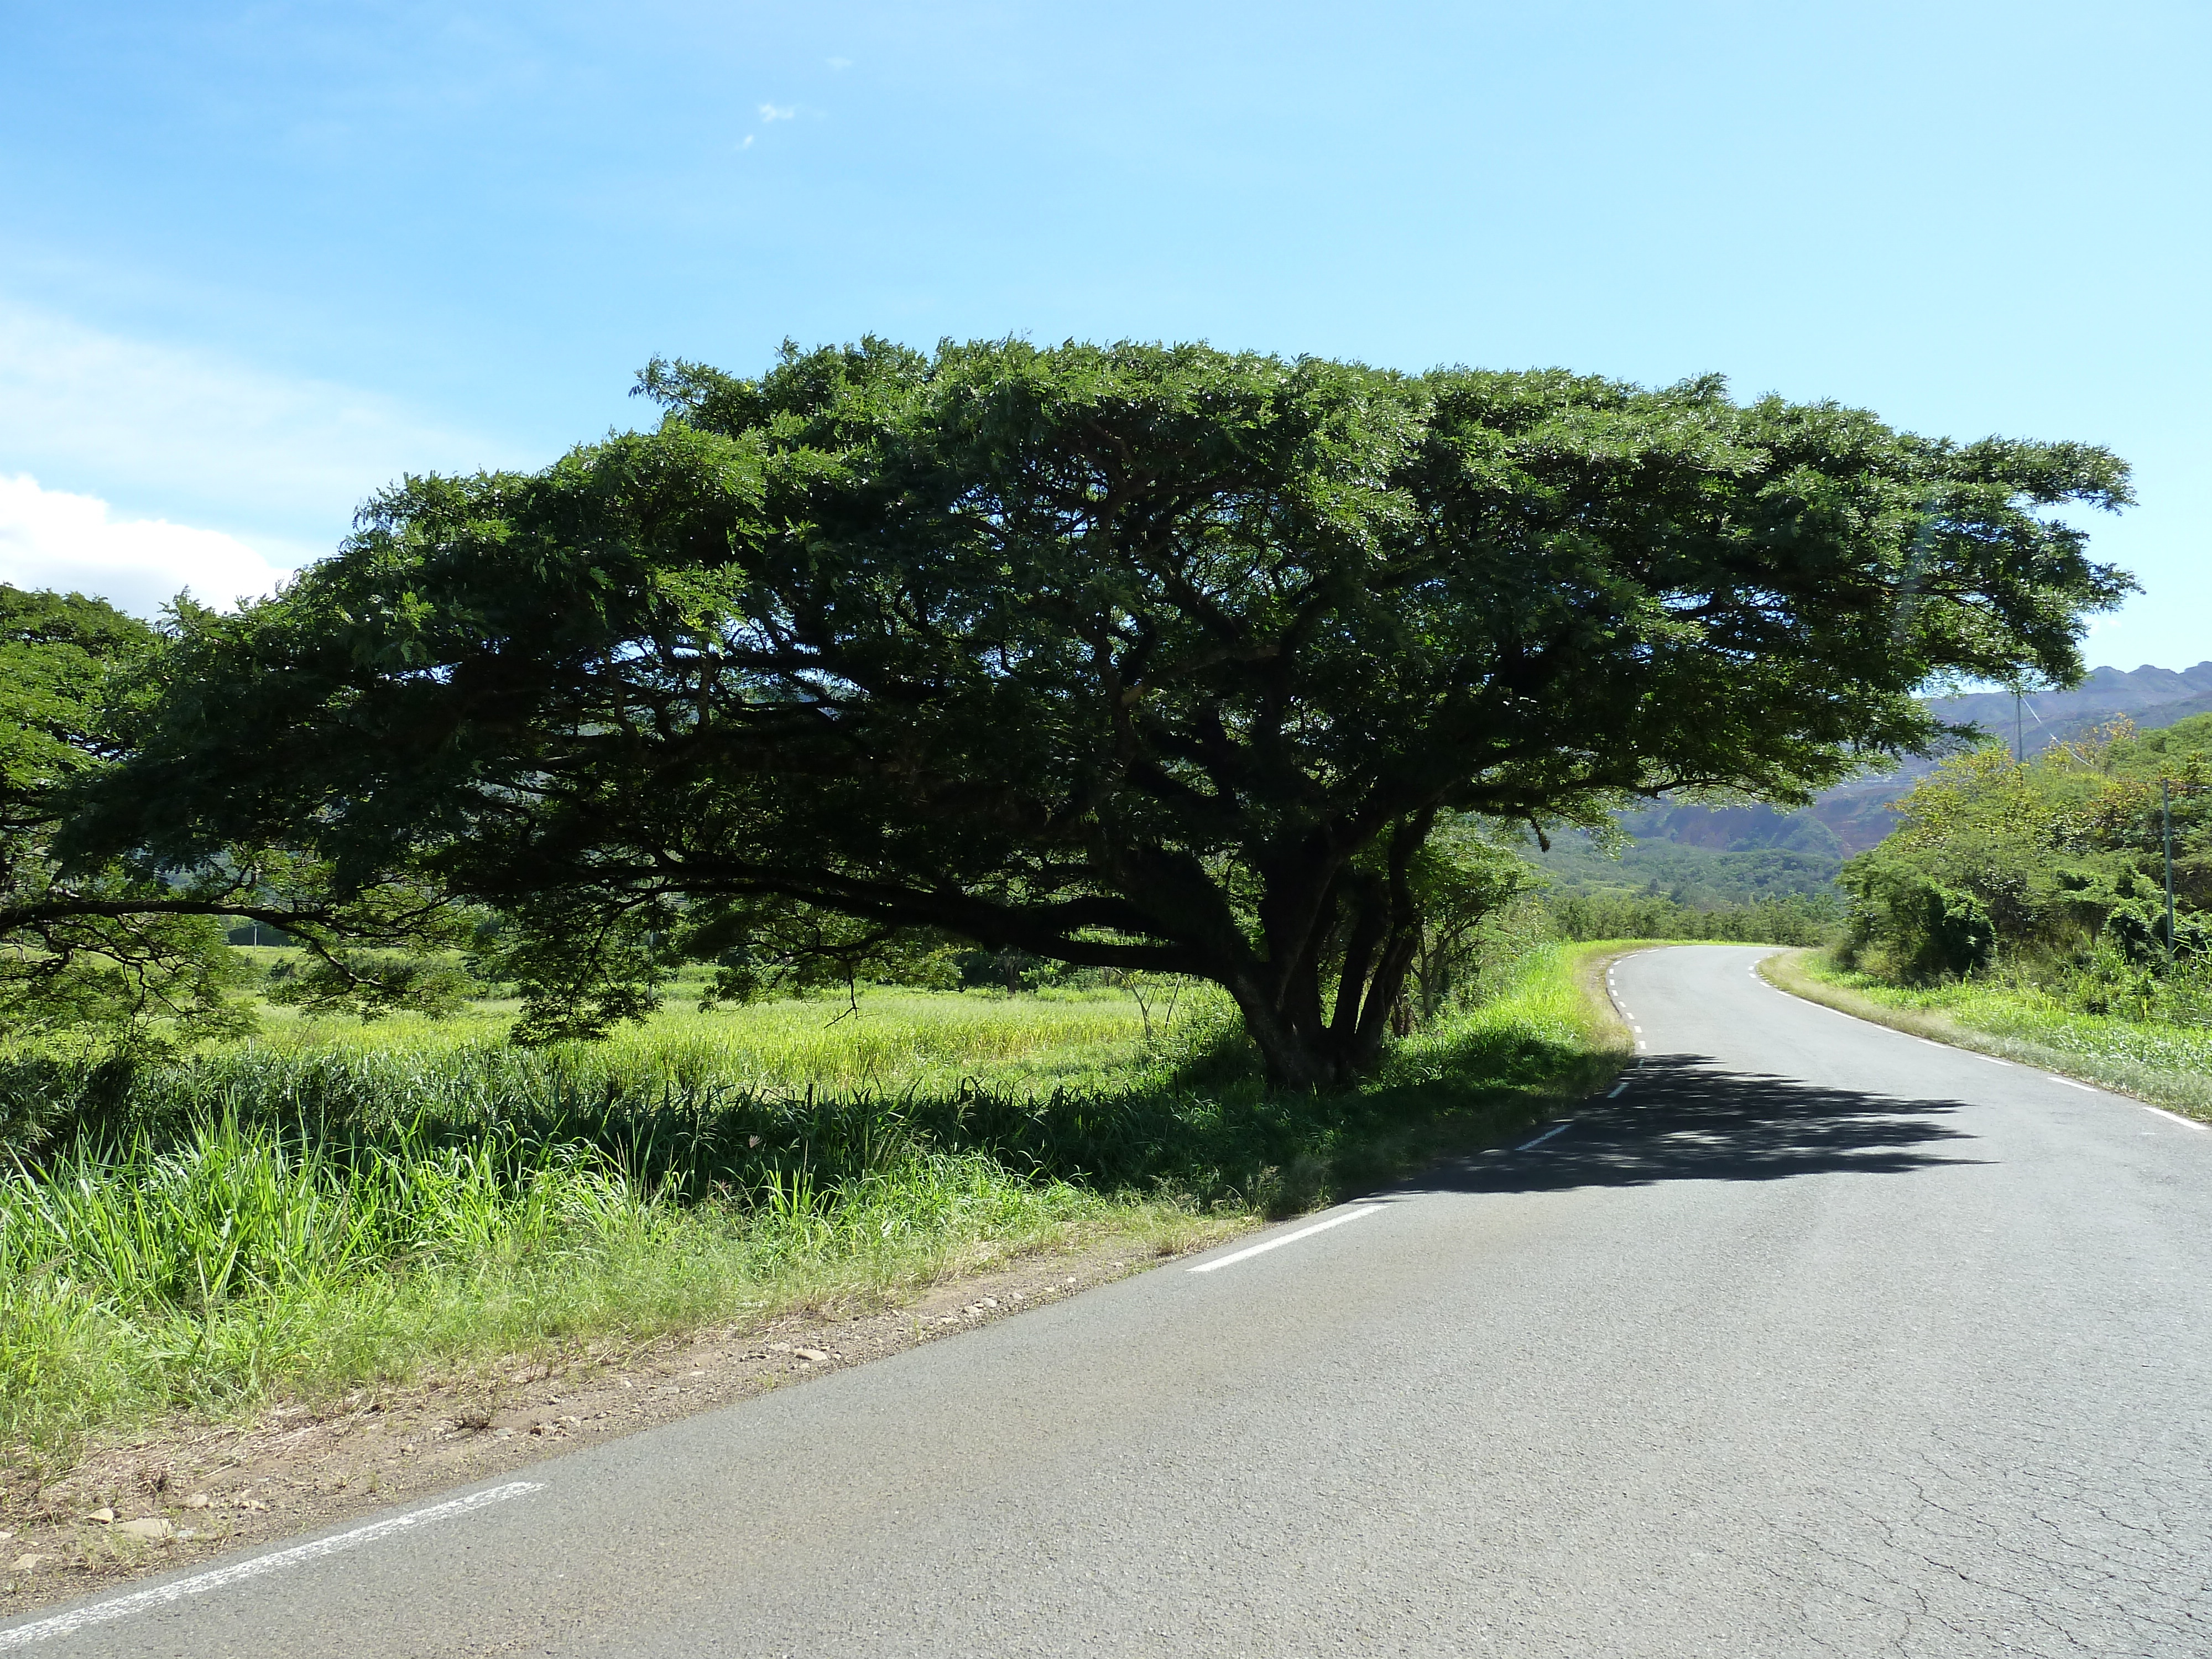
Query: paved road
(1818,1340)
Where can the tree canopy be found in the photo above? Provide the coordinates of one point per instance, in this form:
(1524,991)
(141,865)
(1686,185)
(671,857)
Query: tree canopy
(107,951)
(118,946)
(1155,659)
(2045,860)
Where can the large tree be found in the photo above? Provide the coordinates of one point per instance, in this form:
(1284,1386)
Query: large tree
(1135,657)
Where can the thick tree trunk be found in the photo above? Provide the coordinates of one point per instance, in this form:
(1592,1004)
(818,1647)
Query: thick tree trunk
(1294,1061)
(1359,923)
(1299,1050)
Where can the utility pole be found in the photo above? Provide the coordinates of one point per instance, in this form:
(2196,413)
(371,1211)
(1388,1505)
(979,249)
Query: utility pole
(2018,739)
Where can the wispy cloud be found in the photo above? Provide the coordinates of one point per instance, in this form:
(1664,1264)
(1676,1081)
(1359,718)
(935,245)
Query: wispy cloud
(778,112)
(175,435)
(52,539)
(748,142)
(839,63)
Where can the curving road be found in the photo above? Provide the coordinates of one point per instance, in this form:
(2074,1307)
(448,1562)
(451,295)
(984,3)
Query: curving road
(1816,1340)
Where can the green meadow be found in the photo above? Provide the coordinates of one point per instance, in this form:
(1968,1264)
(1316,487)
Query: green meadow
(330,1203)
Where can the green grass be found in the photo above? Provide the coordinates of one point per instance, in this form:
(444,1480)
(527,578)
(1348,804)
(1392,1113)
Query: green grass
(333,1204)
(246,1264)
(2168,1064)
(900,1039)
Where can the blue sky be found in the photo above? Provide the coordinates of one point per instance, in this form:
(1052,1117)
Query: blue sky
(255,260)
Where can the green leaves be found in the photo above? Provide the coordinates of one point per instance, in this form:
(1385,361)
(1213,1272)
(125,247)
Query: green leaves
(1126,655)
(2050,859)
(76,955)
(112,937)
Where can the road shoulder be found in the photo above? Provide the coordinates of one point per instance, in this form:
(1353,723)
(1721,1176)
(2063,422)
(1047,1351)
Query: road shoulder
(1785,971)
(178,1499)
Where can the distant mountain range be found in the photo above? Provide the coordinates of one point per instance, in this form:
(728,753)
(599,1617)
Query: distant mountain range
(1707,855)
(1856,812)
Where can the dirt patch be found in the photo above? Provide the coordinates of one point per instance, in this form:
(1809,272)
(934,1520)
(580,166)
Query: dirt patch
(171,1502)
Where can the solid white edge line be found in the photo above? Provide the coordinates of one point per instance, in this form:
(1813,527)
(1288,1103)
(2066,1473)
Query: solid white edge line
(2185,1122)
(1971,1053)
(1262,1249)
(122,1607)
(1557,1128)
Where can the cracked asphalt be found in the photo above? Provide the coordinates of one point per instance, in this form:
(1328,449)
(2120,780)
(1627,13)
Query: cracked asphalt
(1816,1340)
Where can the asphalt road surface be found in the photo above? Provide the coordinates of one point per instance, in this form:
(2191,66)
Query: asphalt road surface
(1816,1340)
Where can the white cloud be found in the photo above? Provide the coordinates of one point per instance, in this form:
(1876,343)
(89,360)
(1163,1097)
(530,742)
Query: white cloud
(167,432)
(770,112)
(748,144)
(839,63)
(50,539)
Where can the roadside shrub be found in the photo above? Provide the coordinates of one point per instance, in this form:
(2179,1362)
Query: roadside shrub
(1906,924)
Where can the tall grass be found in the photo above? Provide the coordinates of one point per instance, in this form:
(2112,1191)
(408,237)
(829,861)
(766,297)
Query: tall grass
(307,1214)
(247,1262)
(684,1091)
(889,1038)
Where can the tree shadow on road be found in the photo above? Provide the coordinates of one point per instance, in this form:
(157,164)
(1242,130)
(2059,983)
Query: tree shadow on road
(1685,1117)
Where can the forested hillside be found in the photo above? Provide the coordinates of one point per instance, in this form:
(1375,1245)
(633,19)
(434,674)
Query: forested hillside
(1705,856)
